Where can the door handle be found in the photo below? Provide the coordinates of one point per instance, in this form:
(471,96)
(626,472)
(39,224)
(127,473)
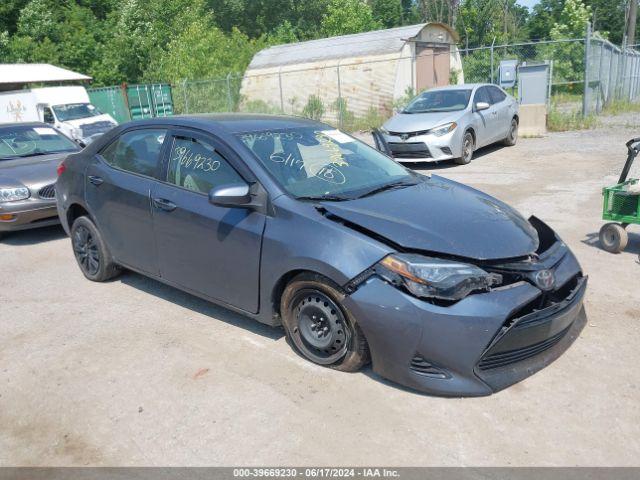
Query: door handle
(164,204)
(95,180)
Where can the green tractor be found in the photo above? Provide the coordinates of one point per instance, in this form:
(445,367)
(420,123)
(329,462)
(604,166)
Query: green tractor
(621,205)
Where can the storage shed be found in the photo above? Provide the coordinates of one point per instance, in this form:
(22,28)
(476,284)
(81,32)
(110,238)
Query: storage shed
(366,71)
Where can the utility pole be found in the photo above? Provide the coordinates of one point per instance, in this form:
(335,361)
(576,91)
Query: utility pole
(631,25)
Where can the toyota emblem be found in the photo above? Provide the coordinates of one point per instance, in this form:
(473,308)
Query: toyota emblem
(545,279)
(404,136)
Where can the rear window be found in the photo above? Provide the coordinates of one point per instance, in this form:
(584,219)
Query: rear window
(24,141)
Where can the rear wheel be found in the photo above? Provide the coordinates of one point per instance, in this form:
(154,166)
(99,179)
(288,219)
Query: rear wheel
(467,149)
(319,326)
(512,137)
(613,237)
(91,252)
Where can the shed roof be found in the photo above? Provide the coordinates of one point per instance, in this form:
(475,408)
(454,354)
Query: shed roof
(377,42)
(15,73)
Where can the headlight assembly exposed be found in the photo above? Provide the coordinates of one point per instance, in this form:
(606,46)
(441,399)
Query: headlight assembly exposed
(443,129)
(14,194)
(435,278)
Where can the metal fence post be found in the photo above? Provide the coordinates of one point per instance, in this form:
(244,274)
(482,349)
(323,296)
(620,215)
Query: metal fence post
(341,107)
(280,85)
(186,98)
(492,44)
(229,99)
(585,93)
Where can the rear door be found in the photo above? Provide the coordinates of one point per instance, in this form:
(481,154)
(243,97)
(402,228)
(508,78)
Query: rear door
(210,250)
(502,107)
(118,189)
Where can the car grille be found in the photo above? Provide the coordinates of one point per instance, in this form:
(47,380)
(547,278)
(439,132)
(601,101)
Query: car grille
(47,192)
(410,150)
(420,365)
(97,127)
(503,359)
(409,134)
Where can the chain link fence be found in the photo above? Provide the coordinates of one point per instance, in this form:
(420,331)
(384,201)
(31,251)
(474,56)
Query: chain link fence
(586,75)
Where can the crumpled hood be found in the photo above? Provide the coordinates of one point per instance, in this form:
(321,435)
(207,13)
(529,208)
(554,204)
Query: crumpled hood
(31,171)
(442,216)
(415,122)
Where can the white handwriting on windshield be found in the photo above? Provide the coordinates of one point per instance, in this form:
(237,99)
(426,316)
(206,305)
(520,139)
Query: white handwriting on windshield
(195,161)
(329,173)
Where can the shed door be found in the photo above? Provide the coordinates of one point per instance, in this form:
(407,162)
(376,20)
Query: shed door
(432,67)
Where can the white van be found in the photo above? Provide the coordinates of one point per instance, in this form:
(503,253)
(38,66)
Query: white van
(66,108)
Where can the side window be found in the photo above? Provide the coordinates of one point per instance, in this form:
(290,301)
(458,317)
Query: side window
(47,115)
(195,165)
(497,95)
(137,151)
(482,96)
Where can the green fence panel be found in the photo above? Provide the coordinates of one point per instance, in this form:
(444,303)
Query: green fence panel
(110,100)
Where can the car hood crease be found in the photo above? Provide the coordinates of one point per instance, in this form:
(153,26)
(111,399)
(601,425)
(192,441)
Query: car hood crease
(442,216)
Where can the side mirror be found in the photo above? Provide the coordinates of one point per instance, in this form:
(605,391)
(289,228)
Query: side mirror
(231,196)
(482,106)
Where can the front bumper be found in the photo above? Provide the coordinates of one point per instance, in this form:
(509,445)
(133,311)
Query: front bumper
(474,347)
(425,147)
(27,214)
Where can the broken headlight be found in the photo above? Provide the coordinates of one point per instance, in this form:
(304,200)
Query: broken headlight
(427,277)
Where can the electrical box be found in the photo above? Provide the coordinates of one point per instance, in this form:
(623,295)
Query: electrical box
(507,73)
(533,83)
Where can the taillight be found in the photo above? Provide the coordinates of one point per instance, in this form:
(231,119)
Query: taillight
(61,168)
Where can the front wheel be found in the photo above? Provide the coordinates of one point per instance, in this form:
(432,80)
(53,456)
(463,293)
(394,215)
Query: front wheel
(613,237)
(512,137)
(320,327)
(467,149)
(91,252)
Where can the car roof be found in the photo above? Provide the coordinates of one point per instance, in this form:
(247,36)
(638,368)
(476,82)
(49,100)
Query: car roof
(233,122)
(462,86)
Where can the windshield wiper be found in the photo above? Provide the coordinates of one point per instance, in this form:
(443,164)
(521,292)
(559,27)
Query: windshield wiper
(323,198)
(389,186)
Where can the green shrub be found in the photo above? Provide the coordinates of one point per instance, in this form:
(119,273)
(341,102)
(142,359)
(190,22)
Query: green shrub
(314,108)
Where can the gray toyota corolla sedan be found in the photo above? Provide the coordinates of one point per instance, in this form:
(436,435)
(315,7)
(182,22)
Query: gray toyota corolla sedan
(29,156)
(452,122)
(443,288)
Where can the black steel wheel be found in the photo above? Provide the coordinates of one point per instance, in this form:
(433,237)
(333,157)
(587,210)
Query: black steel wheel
(91,253)
(319,326)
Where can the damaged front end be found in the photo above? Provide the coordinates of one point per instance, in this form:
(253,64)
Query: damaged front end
(454,326)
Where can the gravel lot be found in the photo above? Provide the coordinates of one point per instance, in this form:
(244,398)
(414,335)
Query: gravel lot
(136,373)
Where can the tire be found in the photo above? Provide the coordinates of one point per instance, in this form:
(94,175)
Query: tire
(512,136)
(320,327)
(613,237)
(91,252)
(467,149)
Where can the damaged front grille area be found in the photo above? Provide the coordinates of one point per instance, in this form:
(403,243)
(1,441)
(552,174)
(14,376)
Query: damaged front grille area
(502,359)
(423,367)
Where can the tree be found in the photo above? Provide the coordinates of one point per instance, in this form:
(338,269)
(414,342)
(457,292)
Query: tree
(480,21)
(387,13)
(348,16)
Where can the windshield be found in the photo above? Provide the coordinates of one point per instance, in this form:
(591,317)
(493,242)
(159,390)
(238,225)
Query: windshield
(439,101)
(318,162)
(74,111)
(23,141)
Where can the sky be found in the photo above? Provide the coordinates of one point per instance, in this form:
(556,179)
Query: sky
(528,3)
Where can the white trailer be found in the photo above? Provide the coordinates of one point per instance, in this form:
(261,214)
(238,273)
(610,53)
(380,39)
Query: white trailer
(66,108)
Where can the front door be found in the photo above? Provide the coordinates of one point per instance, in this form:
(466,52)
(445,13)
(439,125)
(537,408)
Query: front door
(118,189)
(210,250)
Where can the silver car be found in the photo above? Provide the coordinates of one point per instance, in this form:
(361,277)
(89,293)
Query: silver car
(449,123)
